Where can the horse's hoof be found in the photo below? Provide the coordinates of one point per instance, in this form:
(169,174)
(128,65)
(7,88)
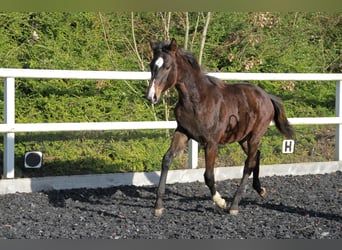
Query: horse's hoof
(233,211)
(219,201)
(262,192)
(158,212)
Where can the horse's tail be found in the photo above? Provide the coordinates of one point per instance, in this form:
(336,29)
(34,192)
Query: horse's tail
(280,118)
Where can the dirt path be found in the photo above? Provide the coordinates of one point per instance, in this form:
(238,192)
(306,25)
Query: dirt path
(307,206)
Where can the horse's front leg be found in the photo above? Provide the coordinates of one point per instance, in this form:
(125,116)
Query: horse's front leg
(179,142)
(210,156)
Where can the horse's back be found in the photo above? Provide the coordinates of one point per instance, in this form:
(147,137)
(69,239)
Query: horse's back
(238,89)
(245,87)
(247,95)
(243,98)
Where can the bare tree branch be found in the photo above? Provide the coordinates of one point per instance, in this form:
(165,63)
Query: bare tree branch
(166,23)
(195,32)
(204,34)
(187,29)
(141,63)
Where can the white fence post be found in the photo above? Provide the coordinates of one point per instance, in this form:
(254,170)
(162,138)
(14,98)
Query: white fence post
(338,136)
(193,154)
(9,115)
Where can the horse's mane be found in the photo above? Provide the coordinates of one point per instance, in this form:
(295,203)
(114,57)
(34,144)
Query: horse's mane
(215,81)
(190,59)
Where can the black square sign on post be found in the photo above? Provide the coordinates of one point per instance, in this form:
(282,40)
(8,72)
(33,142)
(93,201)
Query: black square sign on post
(33,159)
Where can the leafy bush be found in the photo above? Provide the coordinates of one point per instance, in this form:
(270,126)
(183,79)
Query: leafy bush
(236,42)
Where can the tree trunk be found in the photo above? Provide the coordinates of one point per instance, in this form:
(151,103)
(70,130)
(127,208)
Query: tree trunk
(204,34)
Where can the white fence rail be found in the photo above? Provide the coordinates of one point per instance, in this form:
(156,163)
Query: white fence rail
(10,127)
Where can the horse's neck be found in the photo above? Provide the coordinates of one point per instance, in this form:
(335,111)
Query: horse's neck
(190,88)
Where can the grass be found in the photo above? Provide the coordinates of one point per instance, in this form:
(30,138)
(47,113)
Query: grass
(69,153)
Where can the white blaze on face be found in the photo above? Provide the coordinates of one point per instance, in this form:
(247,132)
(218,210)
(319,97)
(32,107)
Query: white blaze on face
(152,91)
(159,62)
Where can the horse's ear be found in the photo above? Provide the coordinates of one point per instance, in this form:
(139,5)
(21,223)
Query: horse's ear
(152,45)
(173,45)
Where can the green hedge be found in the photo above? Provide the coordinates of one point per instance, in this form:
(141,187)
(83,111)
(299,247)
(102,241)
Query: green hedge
(235,42)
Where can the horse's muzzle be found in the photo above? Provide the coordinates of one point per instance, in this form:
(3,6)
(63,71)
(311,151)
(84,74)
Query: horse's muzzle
(153,99)
(152,93)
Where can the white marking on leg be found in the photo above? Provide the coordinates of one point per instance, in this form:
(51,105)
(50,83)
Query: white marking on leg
(159,62)
(219,201)
(158,212)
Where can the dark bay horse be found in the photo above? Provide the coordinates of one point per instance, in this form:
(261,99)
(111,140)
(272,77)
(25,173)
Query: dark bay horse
(212,113)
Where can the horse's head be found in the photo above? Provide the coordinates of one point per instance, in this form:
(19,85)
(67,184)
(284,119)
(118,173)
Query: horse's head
(163,69)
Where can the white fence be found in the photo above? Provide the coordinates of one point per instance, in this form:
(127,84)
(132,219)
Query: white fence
(10,127)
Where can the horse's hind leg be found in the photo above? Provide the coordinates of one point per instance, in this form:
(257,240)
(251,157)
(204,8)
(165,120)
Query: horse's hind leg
(251,163)
(178,144)
(256,182)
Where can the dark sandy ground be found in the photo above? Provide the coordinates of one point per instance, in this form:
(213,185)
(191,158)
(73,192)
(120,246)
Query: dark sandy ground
(296,207)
